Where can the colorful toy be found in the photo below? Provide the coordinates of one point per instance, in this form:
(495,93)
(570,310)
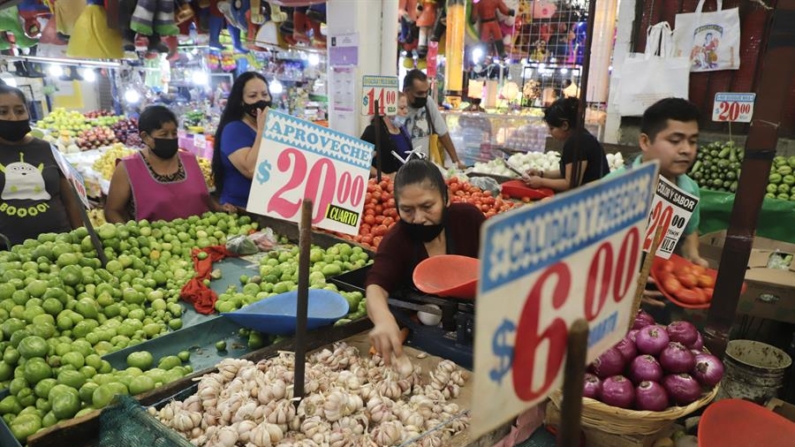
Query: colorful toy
(490,32)
(425,22)
(12,30)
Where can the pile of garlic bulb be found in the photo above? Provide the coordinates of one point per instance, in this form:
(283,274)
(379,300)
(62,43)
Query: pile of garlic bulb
(350,401)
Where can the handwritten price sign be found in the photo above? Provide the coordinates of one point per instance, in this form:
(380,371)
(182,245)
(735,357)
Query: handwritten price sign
(733,107)
(381,88)
(576,256)
(301,160)
(671,208)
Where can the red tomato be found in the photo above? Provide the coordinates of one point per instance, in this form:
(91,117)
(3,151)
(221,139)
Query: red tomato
(388,221)
(377,195)
(383,184)
(688,280)
(526,199)
(369,219)
(377,240)
(379,209)
(367,239)
(667,266)
(706,281)
(379,219)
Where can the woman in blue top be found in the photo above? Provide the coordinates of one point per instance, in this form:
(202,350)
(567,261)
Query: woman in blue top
(237,140)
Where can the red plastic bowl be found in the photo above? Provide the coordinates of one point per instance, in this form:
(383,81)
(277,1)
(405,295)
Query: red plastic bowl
(450,276)
(656,272)
(518,189)
(739,423)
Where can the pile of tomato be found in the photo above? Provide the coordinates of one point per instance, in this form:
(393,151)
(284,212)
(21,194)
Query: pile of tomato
(689,283)
(381,214)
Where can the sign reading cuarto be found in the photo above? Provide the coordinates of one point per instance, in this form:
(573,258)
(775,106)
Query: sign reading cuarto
(300,160)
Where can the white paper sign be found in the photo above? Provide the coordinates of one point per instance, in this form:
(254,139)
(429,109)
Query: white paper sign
(544,267)
(671,208)
(733,107)
(72,174)
(299,159)
(384,89)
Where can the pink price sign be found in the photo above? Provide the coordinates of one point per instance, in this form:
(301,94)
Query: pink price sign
(733,107)
(301,160)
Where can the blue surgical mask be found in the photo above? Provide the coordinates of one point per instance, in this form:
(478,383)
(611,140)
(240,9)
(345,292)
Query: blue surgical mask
(399,121)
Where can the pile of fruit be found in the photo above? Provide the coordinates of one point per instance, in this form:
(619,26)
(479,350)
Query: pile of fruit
(350,400)
(94,114)
(688,282)
(97,217)
(207,170)
(63,122)
(717,166)
(126,131)
(278,273)
(106,164)
(61,312)
(380,212)
(782,179)
(654,367)
(96,137)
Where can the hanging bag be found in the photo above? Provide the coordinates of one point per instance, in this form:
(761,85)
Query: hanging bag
(711,40)
(653,75)
(435,150)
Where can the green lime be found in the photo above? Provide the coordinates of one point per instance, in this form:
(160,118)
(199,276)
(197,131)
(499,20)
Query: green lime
(42,389)
(220,346)
(141,384)
(32,347)
(66,405)
(36,370)
(184,356)
(169,362)
(140,359)
(175,324)
(86,392)
(72,379)
(25,425)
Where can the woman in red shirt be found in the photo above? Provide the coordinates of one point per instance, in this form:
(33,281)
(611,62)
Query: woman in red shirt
(429,226)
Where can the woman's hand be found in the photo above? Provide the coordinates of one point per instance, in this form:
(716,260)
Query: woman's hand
(533,173)
(229,208)
(385,337)
(461,165)
(533,181)
(261,116)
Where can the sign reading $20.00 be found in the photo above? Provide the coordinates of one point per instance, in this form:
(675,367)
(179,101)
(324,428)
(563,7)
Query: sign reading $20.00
(301,160)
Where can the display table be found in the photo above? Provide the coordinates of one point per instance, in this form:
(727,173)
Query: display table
(775,219)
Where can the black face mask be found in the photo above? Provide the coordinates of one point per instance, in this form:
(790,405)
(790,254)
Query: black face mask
(165,148)
(419,103)
(251,109)
(422,233)
(14,131)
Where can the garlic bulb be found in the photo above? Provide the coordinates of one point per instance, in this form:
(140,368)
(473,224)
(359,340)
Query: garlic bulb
(388,433)
(226,437)
(336,405)
(244,430)
(283,412)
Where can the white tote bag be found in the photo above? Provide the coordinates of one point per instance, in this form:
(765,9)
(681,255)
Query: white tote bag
(653,75)
(711,40)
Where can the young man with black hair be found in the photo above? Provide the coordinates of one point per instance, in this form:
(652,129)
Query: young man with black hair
(425,119)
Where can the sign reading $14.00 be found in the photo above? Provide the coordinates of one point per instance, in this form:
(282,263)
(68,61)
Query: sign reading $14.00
(300,160)
(544,267)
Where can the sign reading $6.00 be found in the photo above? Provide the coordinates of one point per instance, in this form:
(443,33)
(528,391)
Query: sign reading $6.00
(544,267)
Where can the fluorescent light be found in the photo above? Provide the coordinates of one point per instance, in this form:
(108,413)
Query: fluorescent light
(200,77)
(89,74)
(314,59)
(477,54)
(55,70)
(276,87)
(132,96)
(9,79)
(564,70)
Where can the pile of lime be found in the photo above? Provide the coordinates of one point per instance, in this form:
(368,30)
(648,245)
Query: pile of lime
(60,312)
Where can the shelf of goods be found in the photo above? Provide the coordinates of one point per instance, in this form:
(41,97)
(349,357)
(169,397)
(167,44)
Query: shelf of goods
(478,136)
(67,351)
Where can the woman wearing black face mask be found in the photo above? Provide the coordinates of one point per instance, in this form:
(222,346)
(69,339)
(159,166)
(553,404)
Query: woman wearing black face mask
(237,140)
(35,197)
(429,226)
(160,182)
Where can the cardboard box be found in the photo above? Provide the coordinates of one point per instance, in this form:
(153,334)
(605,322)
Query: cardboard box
(771,292)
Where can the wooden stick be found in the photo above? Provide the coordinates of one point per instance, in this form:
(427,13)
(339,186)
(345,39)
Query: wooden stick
(379,151)
(304,242)
(573,382)
(643,276)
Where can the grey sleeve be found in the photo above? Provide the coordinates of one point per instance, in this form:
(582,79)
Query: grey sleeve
(439,124)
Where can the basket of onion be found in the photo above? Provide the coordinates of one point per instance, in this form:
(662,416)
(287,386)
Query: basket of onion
(652,377)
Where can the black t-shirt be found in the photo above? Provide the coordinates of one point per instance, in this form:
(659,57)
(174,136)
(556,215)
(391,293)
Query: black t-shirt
(30,201)
(590,151)
(400,143)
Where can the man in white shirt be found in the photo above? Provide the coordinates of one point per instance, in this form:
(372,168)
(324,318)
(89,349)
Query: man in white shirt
(424,119)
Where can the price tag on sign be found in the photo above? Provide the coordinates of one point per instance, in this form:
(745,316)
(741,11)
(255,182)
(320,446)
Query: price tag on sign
(72,175)
(576,256)
(733,107)
(298,160)
(381,88)
(199,141)
(671,208)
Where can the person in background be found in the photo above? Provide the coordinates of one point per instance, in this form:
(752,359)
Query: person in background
(394,138)
(159,182)
(36,198)
(424,119)
(562,117)
(237,140)
(429,225)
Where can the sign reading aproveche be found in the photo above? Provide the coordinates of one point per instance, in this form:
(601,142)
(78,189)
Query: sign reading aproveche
(544,267)
(301,160)
(733,107)
(671,208)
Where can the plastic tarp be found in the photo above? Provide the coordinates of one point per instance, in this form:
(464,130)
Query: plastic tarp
(775,220)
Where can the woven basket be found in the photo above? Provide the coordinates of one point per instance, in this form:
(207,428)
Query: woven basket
(620,421)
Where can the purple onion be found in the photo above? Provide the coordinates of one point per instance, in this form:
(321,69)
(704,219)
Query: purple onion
(642,319)
(592,387)
(699,343)
(627,349)
(651,396)
(676,359)
(645,368)
(682,332)
(708,370)
(610,363)
(683,389)
(696,352)
(651,340)
(618,392)
(632,334)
